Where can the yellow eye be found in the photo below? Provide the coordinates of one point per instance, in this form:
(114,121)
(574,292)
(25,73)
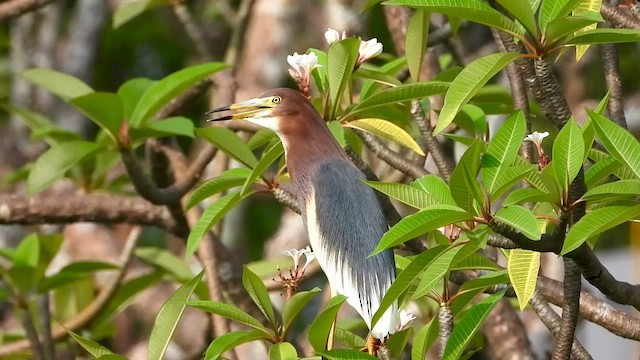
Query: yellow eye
(276,99)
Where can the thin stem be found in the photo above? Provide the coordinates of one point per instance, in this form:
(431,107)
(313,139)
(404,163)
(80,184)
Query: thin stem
(391,157)
(44,313)
(443,163)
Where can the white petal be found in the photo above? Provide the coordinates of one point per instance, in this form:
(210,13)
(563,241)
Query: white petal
(331,36)
(295,255)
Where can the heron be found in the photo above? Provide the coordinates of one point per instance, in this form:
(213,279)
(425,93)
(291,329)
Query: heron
(342,215)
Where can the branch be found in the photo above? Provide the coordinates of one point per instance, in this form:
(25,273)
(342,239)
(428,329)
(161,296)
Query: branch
(570,310)
(89,313)
(105,209)
(505,334)
(611,67)
(391,157)
(552,321)
(444,165)
(14,8)
(593,309)
(193,31)
(618,17)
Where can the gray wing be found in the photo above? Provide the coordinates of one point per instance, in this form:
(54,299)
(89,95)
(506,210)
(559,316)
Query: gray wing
(351,222)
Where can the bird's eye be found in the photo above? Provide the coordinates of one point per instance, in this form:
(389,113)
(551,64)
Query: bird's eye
(276,99)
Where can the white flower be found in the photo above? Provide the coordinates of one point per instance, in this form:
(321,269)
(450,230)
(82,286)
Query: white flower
(309,257)
(536,137)
(296,254)
(302,65)
(405,319)
(332,36)
(368,50)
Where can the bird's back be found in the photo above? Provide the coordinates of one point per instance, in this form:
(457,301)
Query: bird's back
(345,223)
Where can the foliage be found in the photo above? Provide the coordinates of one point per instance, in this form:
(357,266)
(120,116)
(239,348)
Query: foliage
(484,193)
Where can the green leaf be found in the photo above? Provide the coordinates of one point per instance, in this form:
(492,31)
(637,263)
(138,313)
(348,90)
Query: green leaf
(511,176)
(60,84)
(562,27)
(586,7)
(28,251)
(503,149)
(227,141)
(523,271)
(269,157)
(473,77)
(436,187)
(104,109)
(424,339)
(166,260)
(295,305)
(161,92)
(471,10)
(521,219)
(435,271)
(464,178)
(597,221)
(53,164)
(522,12)
(368,72)
(416,41)
(260,138)
(96,350)
(613,191)
(425,220)
(551,10)
(131,92)
(345,354)
(386,130)
(404,193)
(341,60)
(175,125)
(168,317)
(230,312)
(227,180)
(210,217)
(568,154)
(258,292)
(228,341)
(128,10)
(528,195)
(601,171)
(282,351)
(469,325)
(348,339)
(485,281)
(399,94)
(604,36)
(88,267)
(319,329)
(407,277)
(618,142)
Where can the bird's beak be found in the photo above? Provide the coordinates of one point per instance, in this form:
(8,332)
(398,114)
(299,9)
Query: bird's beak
(253,108)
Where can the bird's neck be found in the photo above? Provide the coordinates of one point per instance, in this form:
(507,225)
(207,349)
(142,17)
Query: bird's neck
(305,152)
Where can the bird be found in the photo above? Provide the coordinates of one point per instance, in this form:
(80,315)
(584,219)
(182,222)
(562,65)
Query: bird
(342,215)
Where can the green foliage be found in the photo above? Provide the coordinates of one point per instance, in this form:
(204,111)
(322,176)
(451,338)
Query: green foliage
(321,326)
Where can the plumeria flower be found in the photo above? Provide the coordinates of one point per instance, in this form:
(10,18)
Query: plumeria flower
(368,50)
(290,283)
(536,138)
(296,254)
(301,67)
(405,319)
(309,256)
(332,35)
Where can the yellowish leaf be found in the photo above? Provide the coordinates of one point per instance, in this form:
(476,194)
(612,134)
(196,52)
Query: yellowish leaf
(523,272)
(386,130)
(584,6)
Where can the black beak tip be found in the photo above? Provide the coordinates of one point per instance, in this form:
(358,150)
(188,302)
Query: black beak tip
(224,108)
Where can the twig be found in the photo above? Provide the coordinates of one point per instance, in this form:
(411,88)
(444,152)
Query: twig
(552,321)
(618,17)
(65,209)
(235,44)
(444,165)
(14,8)
(570,311)
(92,310)
(44,313)
(177,103)
(32,340)
(611,67)
(391,157)
(193,31)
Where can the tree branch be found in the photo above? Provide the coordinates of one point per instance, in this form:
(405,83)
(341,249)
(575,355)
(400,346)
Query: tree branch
(570,310)
(391,157)
(14,8)
(612,78)
(444,165)
(618,17)
(553,322)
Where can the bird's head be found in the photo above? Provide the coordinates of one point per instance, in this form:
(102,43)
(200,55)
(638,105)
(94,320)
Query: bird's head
(279,110)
